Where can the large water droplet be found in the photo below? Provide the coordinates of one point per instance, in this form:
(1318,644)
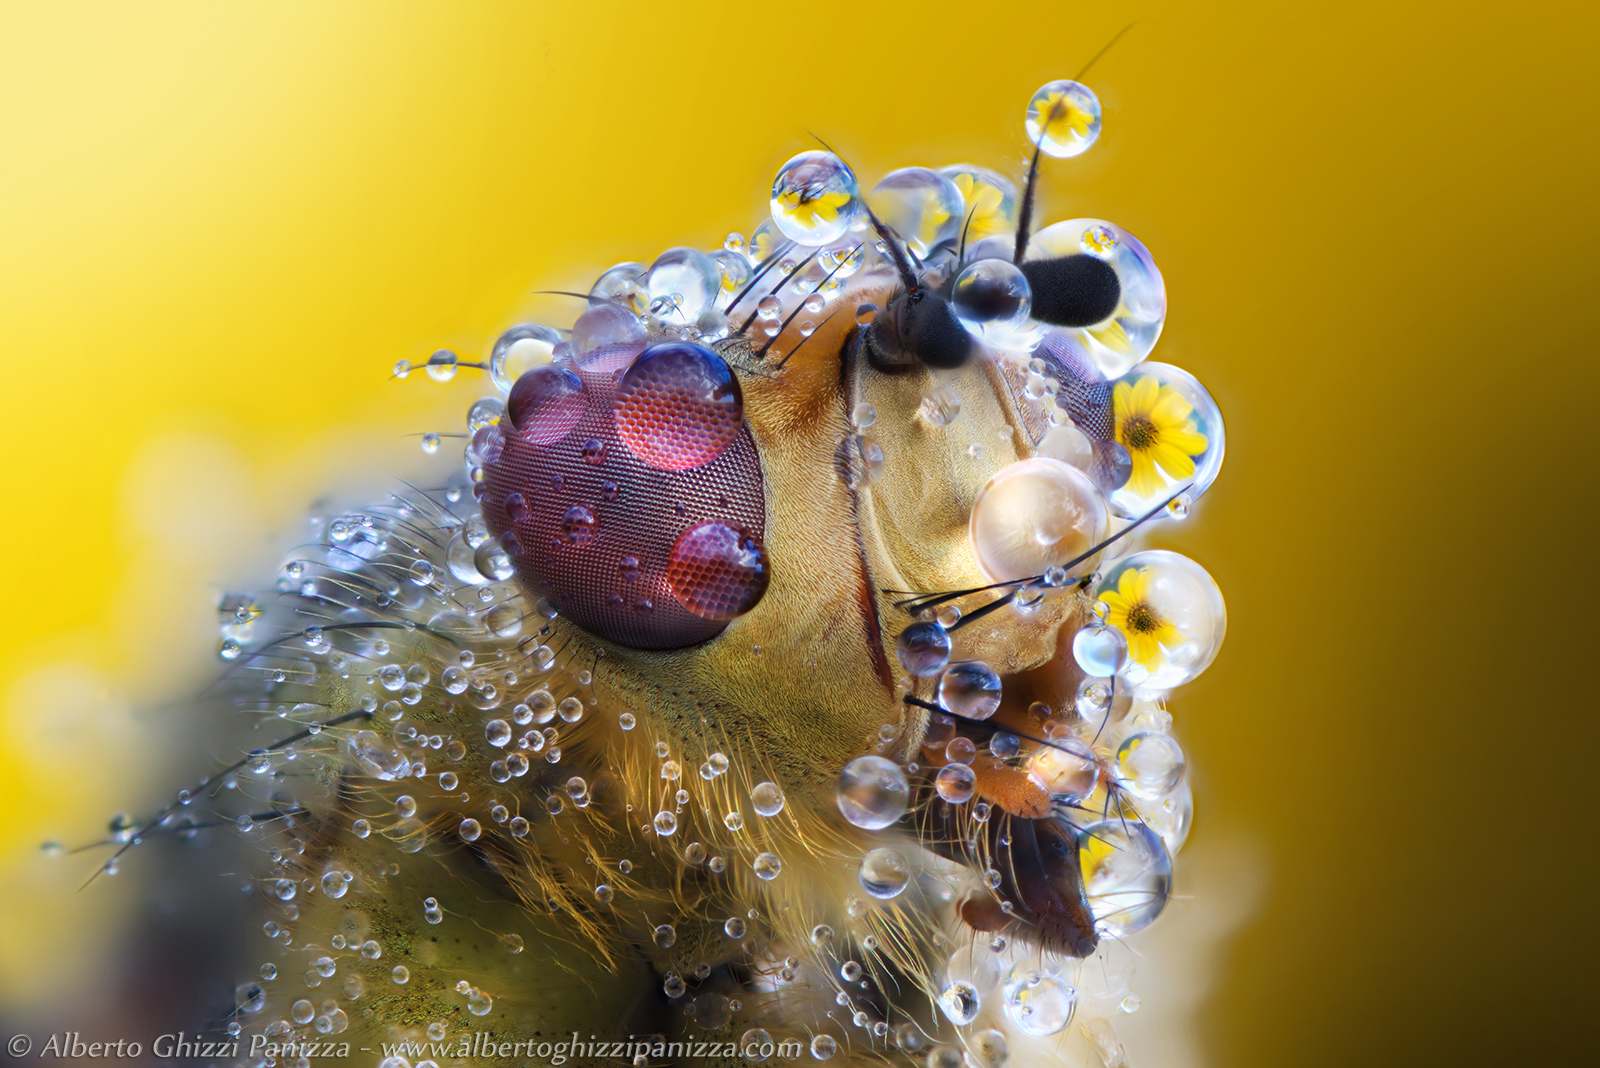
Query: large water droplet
(873,792)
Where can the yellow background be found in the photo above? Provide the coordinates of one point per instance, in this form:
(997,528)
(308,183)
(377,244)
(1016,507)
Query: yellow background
(221,223)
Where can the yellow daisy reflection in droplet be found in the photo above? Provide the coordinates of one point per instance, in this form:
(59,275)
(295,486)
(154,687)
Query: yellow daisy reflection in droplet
(1154,423)
(986,206)
(813,211)
(1130,611)
(1060,119)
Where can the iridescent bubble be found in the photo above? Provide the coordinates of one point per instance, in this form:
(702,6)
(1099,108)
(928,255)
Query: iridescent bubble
(1149,764)
(1036,514)
(873,792)
(970,688)
(1127,875)
(1063,118)
(1040,1004)
(815,198)
(545,404)
(1066,769)
(1170,611)
(1119,343)
(520,350)
(1099,650)
(990,199)
(960,1002)
(923,649)
(1173,433)
(767,799)
(687,278)
(956,783)
(884,873)
(920,205)
(992,300)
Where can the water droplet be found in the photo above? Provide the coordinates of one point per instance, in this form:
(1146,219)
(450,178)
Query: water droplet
(767,799)
(1040,1004)
(734,927)
(767,866)
(970,688)
(1127,875)
(665,936)
(873,792)
(923,649)
(470,829)
(1149,764)
(956,783)
(941,406)
(1100,651)
(823,1047)
(815,198)
(992,300)
(1063,118)
(666,823)
(400,974)
(960,1002)
(884,873)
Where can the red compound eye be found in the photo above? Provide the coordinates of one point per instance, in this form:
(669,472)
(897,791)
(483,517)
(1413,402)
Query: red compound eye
(545,404)
(716,572)
(678,407)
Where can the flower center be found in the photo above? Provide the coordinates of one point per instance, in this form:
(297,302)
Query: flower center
(1140,434)
(1142,619)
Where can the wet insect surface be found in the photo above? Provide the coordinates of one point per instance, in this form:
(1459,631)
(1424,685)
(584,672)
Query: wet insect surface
(779,677)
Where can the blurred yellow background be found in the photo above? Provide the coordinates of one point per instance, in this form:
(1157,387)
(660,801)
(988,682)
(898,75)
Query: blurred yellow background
(222,223)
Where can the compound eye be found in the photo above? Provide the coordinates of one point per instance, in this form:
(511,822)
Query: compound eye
(545,404)
(678,407)
(717,572)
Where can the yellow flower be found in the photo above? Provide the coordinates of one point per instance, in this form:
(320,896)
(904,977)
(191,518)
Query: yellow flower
(813,211)
(1132,614)
(1060,120)
(1153,423)
(985,205)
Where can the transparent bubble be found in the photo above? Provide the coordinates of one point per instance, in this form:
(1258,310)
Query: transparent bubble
(922,207)
(441,366)
(1036,514)
(956,783)
(1121,342)
(1127,875)
(1170,611)
(1149,764)
(960,750)
(767,866)
(992,300)
(470,830)
(884,873)
(1068,444)
(1100,651)
(622,285)
(960,1002)
(688,279)
(823,1047)
(815,198)
(767,799)
(1067,769)
(1063,118)
(873,792)
(1040,1004)
(498,732)
(990,201)
(605,324)
(518,351)
(941,407)
(1173,433)
(923,649)
(970,688)
(665,936)
(666,823)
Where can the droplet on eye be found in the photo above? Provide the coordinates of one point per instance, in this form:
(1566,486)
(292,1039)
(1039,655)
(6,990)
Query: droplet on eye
(678,407)
(545,404)
(716,572)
